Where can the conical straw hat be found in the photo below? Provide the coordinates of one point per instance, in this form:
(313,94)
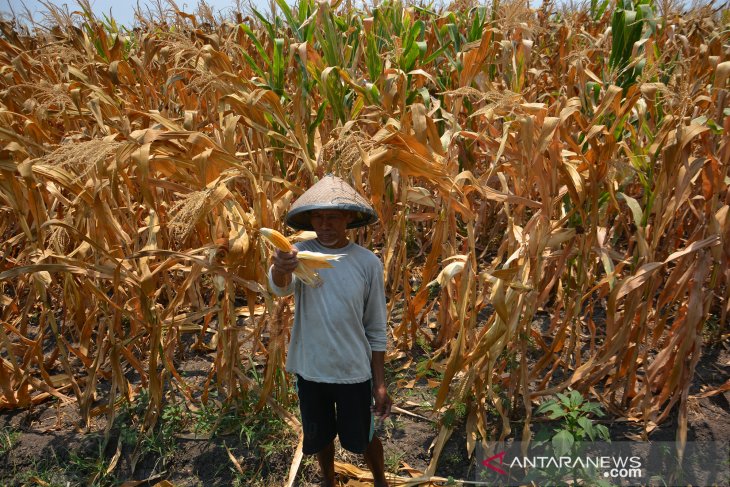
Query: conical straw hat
(330,193)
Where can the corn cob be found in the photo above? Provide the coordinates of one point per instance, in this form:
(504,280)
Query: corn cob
(276,239)
(308,261)
(317,260)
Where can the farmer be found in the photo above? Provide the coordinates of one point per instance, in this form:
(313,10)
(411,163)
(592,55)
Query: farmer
(337,345)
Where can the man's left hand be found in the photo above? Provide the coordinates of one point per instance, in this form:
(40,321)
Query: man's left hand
(383,403)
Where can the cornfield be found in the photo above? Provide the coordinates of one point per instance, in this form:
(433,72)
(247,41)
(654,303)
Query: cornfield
(551,185)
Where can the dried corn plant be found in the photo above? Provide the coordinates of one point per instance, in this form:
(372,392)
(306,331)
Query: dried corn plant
(553,192)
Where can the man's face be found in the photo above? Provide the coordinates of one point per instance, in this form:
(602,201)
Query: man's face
(331,226)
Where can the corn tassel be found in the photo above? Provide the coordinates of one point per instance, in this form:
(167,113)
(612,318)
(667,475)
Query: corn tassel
(308,261)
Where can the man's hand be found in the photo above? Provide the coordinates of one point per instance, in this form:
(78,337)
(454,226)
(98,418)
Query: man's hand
(383,403)
(284,264)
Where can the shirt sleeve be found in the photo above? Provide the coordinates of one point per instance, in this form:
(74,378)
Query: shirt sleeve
(375,315)
(280,291)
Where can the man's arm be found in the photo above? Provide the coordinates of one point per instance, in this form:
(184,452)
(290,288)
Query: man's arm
(374,320)
(380,391)
(284,263)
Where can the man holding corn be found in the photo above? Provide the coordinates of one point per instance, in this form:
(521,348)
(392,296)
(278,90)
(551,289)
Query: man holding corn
(337,345)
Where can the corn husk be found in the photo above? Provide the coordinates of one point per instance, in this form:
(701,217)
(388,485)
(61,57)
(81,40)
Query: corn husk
(308,261)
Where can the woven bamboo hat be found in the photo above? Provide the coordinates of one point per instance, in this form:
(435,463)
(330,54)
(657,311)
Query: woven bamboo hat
(330,193)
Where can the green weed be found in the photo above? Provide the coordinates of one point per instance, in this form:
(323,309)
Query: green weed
(393,459)
(576,427)
(454,414)
(8,439)
(92,470)
(576,424)
(161,441)
(47,472)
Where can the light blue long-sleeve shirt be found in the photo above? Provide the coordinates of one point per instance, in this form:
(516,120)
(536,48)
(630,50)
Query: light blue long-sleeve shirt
(338,325)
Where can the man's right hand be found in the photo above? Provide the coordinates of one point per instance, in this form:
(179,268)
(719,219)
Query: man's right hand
(284,263)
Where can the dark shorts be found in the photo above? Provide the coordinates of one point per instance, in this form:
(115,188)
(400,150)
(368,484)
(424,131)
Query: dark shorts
(330,410)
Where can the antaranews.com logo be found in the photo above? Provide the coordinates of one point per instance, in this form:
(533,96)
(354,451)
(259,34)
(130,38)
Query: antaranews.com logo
(611,467)
(603,463)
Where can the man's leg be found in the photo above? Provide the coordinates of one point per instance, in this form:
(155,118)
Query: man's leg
(326,459)
(355,427)
(375,461)
(317,406)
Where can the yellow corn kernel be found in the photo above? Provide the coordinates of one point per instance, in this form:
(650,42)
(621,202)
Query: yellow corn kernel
(276,239)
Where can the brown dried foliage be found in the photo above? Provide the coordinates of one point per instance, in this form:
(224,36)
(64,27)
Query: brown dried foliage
(133,181)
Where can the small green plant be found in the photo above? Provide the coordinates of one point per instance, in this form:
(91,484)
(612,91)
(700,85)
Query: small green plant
(434,290)
(8,438)
(568,439)
(576,425)
(265,435)
(128,435)
(174,416)
(206,420)
(161,442)
(423,369)
(393,459)
(91,469)
(712,331)
(454,414)
(125,419)
(453,460)
(510,359)
(45,472)
(422,342)
(391,426)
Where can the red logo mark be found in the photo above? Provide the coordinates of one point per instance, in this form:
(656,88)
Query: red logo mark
(488,463)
